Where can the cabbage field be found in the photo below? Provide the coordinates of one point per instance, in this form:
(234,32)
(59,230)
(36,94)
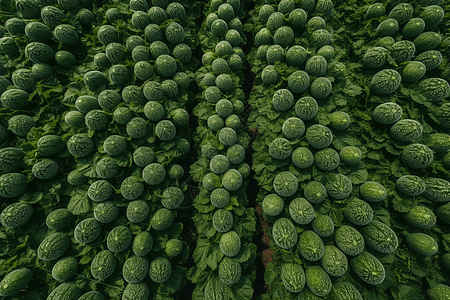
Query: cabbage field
(224,149)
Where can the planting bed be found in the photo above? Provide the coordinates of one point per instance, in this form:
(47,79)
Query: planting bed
(224,149)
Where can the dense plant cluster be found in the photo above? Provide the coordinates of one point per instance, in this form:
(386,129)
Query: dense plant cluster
(102,104)
(336,186)
(141,141)
(225,253)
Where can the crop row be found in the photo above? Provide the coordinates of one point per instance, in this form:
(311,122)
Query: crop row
(225,254)
(110,164)
(343,189)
